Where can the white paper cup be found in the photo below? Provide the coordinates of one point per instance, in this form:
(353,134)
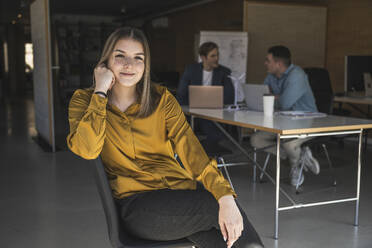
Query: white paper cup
(268,121)
(268,105)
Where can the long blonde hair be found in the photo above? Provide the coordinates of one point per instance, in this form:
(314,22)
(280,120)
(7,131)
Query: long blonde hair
(147,94)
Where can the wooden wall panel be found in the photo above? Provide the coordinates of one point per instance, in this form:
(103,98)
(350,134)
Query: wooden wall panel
(175,44)
(302,28)
(349,33)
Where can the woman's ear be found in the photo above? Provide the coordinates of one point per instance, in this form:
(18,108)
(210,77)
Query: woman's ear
(107,64)
(103,64)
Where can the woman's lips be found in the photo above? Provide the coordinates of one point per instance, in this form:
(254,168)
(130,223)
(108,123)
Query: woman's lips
(126,74)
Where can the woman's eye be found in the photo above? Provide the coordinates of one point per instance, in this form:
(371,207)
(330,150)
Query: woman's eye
(119,56)
(139,58)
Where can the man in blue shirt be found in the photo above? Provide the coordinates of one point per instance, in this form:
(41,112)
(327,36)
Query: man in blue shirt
(290,85)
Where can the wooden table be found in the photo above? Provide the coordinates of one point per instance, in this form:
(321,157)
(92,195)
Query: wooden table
(285,128)
(355,99)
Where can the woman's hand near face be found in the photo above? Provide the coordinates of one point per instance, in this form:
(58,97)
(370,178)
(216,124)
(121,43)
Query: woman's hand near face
(104,78)
(230,220)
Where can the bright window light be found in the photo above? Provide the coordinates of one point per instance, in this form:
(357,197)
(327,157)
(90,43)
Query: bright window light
(29,57)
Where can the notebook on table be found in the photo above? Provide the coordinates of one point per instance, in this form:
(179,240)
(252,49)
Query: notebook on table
(253,94)
(201,96)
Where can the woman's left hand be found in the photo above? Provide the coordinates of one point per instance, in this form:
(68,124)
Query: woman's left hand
(230,220)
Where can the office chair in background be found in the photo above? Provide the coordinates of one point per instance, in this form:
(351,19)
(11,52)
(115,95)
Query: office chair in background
(320,84)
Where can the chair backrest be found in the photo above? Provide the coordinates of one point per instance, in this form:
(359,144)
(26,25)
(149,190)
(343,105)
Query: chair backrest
(321,87)
(108,204)
(118,236)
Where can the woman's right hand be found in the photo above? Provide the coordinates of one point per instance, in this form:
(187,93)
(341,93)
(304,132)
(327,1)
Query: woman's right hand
(230,220)
(104,78)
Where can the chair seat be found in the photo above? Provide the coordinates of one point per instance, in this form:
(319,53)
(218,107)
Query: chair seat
(118,236)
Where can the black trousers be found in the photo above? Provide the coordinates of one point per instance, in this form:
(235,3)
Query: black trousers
(173,214)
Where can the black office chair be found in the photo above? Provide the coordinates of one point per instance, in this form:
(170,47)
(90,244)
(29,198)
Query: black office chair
(322,88)
(118,236)
(320,84)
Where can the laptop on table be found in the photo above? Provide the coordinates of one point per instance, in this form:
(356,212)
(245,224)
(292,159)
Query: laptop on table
(253,94)
(201,96)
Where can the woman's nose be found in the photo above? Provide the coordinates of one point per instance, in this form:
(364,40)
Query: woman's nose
(128,62)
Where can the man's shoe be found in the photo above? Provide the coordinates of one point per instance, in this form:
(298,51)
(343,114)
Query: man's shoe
(310,162)
(295,175)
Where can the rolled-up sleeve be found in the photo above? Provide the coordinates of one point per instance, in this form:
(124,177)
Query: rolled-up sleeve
(87,119)
(191,152)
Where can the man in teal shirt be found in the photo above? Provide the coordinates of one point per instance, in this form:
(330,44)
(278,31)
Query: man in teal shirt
(290,85)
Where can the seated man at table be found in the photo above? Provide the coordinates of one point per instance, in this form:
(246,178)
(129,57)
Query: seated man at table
(290,85)
(208,72)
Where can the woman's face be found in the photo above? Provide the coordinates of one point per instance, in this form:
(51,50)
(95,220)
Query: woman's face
(127,62)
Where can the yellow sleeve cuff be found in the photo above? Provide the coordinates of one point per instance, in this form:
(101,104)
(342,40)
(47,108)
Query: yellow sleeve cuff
(215,182)
(98,104)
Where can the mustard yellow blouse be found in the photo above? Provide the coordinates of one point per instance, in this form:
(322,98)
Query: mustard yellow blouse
(138,153)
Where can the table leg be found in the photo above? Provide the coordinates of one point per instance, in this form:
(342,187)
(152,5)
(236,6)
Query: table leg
(255,162)
(254,166)
(192,122)
(252,160)
(356,219)
(277,186)
(364,156)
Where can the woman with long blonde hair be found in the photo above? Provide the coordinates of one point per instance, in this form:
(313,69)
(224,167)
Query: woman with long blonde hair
(137,127)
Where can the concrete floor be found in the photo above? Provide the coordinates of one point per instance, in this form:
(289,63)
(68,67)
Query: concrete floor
(50,200)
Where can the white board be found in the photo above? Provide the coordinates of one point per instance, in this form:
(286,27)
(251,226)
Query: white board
(233,48)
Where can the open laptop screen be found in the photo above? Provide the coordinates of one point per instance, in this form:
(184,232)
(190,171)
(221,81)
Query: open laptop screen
(205,96)
(253,94)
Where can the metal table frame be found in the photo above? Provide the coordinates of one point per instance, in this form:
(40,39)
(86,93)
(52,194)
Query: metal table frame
(276,182)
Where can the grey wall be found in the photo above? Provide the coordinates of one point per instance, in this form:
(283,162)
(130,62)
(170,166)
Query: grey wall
(43,87)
